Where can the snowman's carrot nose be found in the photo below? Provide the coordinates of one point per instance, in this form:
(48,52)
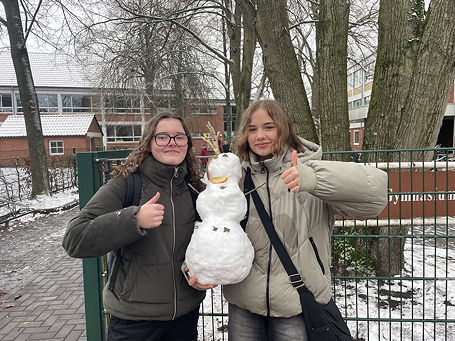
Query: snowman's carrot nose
(219,179)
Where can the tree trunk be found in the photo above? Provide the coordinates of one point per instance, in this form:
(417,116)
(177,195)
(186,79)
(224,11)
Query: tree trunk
(394,64)
(29,99)
(179,95)
(430,84)
(227,85)
(242,55)
(281,65)
(414,70)
(331,55)
(149,80)
(388,252)
(315,102)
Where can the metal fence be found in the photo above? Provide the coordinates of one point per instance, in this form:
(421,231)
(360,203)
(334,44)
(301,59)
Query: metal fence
(393,276)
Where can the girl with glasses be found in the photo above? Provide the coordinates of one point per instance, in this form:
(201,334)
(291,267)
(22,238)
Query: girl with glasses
(149,299)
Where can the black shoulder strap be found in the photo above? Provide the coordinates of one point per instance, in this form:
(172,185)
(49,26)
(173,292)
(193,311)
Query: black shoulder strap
(132,197)
(293,274)
(133,189)
(312,314)
(248,186)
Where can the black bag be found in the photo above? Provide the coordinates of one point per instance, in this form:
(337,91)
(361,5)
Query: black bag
(322,322)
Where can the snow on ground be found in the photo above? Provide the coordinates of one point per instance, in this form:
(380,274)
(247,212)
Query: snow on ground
(427,298)
(41,202)
(425,293)
(15,190)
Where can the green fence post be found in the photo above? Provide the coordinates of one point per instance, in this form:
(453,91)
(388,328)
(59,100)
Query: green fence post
(89,182)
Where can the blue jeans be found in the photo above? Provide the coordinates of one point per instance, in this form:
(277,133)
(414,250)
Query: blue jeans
(246,326)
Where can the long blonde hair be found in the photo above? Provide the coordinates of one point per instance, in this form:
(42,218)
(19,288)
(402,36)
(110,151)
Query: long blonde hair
(286,132)
(137,156)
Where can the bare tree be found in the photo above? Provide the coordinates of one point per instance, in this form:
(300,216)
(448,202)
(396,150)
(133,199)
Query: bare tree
(414,70)
(331,55)
(27,92)
(280,62)
(151,45)
(242,46)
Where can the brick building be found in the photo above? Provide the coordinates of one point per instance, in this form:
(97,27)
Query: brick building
(63,135)
(63,88)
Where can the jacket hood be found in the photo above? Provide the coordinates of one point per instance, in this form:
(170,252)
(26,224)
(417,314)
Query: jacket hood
(311,151)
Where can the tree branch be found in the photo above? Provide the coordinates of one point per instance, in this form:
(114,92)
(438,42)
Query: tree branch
(31,23)
(3,21)
(303,22)
(183,27)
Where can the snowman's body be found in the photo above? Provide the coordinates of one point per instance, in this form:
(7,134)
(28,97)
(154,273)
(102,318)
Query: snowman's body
(220,251)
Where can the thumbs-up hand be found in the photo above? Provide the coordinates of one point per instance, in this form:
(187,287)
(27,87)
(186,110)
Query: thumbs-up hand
(291,176)
(150,214)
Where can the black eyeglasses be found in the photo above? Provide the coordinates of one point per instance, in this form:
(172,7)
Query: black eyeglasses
(162,140)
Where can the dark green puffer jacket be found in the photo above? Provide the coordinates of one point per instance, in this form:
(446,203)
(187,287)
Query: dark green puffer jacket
(149,284)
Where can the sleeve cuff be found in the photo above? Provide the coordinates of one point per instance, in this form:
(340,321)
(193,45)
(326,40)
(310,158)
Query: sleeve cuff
(307,178)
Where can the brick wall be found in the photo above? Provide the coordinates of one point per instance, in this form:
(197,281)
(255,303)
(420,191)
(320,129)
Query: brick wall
(352,134)
(17,147)
(198,123)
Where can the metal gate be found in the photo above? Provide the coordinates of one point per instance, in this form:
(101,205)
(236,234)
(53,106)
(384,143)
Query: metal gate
(393,276)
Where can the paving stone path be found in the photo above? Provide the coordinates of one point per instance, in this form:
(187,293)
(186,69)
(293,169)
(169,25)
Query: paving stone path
(41,291)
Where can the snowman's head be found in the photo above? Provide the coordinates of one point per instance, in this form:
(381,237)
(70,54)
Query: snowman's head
(224,167)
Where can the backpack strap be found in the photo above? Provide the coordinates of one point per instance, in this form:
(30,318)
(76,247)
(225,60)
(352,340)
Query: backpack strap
(133,189)
(132,197)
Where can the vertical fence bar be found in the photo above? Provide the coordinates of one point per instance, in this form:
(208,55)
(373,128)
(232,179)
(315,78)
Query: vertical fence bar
(88,181)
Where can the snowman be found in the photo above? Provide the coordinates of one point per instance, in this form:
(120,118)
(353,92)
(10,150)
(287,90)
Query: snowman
(220,251)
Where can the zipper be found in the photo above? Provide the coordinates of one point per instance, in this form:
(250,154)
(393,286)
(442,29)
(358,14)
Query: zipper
(269,263)
(315,249)
(173,246)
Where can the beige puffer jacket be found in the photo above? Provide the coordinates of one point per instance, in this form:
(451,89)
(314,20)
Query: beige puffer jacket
(304,222)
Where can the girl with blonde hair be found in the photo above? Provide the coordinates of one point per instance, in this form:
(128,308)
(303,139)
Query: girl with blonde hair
(301,195)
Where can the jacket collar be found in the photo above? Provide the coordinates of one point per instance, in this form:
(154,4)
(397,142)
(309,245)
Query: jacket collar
(311,151)
(161,174)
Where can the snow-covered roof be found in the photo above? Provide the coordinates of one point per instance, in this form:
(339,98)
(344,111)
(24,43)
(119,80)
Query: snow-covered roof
(53,125)
(48,70)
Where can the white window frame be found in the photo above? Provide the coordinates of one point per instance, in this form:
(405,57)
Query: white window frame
(4,108)
(203,111)
(356,137)
(56,147)
(120,138)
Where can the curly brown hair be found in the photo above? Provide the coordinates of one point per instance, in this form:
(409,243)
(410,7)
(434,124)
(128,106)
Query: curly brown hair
(137,156)
(286,132)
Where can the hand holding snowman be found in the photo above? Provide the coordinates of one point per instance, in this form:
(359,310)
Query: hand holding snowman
(220,251)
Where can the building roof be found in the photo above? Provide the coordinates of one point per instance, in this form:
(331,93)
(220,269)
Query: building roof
(53,125)
(48,70)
